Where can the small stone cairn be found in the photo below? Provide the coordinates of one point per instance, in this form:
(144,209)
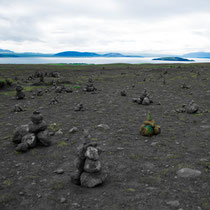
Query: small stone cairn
(149,127)
(144,99)
(192,108)
(27,136)
(88,166)
(19,94)
(90,87)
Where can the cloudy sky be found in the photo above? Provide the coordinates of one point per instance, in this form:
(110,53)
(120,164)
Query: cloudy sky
(157,26)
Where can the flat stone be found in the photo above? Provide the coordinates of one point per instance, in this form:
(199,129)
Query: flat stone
(174,203)
(59,171)
(34,128)
(91,180)
(188,173)
(103,126)
(73,130)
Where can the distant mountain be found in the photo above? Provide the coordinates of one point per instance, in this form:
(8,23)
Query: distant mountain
(5,51)
(77,54)
(198,55)
(90,54)
(171,59)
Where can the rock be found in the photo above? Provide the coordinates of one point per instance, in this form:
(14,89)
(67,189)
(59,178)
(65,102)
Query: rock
(173,203)
(79,107)
(63,200)
(73,130)
(193,108)
(34,128)
(123,93)
(103,126)
(29,139)
(92,153)
(59,132)
(40,93)
(37,117)
(91,180)
(19,133)
(59,171)
(92,166)
(146,101)
(22,147)
(20,95)
(18,108)
(188,173)
(43,137)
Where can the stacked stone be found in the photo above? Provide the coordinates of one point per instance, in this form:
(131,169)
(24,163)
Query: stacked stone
(144,99)
(27,136)
(90,87)
(149,127)
(19,93)
(192,108)
(88,166)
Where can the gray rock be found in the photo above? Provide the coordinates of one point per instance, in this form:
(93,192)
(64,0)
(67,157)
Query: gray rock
(174,203)
(63,200)
(29,139)
(59,132)
(91,180)
(192,108)
(123,93)
(22,147)
(146,101)
(34,128)
(19,133)
(43,137)
(188,173)
(59,171)
(103,126)
(18,108)
(92,166)
(73,130)
(37,117)
(92,153)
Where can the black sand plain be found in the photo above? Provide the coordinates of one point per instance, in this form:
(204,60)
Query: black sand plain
(142,171)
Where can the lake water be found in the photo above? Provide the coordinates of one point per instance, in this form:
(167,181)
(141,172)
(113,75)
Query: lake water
(95,60)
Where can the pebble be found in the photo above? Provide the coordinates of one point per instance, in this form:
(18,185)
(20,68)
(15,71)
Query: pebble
(73,130)
(188,173)
(63,200)
(59,132)
(104,126)
(59,171)
(173,203)
(21,193)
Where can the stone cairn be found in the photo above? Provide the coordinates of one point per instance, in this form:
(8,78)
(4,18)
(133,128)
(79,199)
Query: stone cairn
(90,87)
(192,108)
(19,93)
(144,99)
(88,166)
(27,136)
(149,127)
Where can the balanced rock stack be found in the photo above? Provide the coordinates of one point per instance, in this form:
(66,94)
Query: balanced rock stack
(90,87)
(27,136)
(19,93)
(88,166)
(144,99)
(149,127)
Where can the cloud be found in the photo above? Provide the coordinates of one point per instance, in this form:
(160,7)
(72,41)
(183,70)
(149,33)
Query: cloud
(112,25)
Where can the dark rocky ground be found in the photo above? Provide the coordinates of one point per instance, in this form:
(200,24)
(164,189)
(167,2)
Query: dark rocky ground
(142,170)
